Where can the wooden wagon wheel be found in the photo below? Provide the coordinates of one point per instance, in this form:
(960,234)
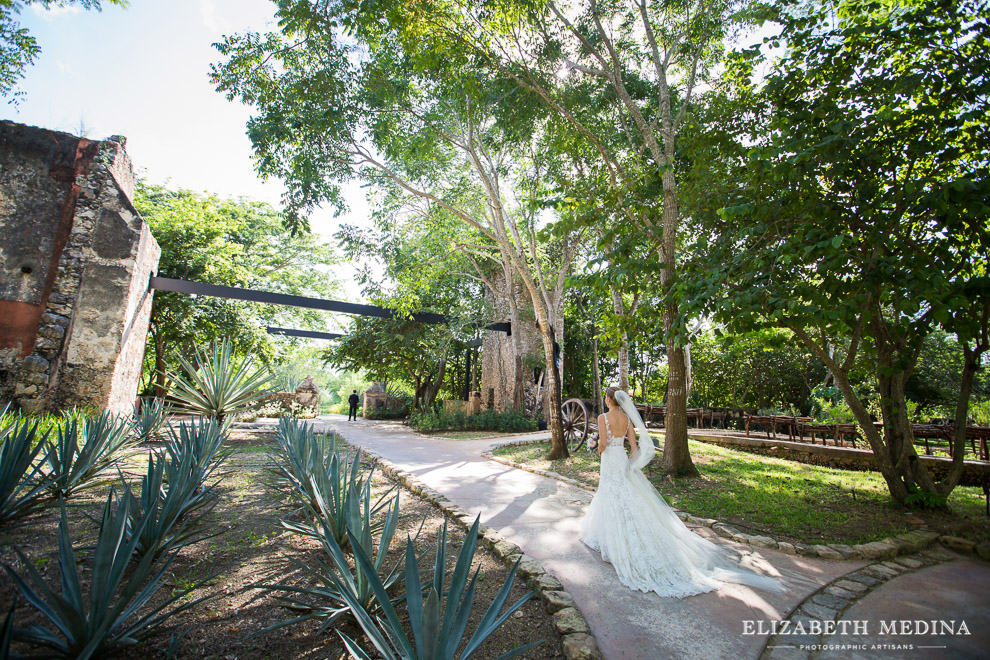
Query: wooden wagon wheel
(577,423)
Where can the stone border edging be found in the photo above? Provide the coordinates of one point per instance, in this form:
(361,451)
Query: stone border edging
(886,548)
(831,600)
(577,641)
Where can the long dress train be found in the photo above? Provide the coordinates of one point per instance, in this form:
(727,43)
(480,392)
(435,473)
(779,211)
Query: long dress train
(636,531)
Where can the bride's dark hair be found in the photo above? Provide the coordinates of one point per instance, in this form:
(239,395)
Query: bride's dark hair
(610,392)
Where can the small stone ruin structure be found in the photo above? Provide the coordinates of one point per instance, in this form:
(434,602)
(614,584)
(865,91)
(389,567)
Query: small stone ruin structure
(75,264)
(375,398)
(308,395)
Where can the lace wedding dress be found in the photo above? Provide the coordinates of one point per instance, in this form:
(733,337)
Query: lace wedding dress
(636,531)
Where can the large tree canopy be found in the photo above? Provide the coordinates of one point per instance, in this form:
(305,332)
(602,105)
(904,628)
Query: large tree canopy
(861,221)
(340,95)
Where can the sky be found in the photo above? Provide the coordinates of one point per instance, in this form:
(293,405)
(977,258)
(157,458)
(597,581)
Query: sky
(142,72)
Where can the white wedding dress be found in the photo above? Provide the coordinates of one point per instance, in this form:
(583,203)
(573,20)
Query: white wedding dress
(636,531)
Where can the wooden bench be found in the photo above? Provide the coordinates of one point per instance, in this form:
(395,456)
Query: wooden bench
(789,423)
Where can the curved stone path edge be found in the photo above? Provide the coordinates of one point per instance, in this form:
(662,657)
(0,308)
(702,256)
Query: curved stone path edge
(884,549)
(805,628)
(577,641)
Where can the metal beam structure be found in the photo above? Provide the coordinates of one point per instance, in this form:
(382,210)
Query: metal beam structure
(309,334)
(235,293)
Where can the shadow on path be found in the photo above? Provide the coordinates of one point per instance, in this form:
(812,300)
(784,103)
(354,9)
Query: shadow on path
(542,516)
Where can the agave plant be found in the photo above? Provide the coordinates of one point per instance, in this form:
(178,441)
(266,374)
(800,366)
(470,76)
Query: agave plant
(73,465)
(194,452)
(440,623)
(219,384)
(115,614)
(22,483)
(328,484)
(325,599)
(149,419)
(165,516)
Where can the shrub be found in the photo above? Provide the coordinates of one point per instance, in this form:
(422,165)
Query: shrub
(325,600)
(439,624)
(979,412)
(486,420)
(194,452)
(327,483)
(149,419)
(165,515)
(218,384)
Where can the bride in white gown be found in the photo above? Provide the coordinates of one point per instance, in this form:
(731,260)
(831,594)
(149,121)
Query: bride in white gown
(636,531)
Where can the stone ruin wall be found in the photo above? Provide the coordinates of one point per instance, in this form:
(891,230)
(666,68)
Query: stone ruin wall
(498,365)
(75,263)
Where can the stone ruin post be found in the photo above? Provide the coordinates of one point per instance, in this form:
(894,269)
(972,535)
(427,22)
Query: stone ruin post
(308,394)
(499,366)
(375,398)
(75,264)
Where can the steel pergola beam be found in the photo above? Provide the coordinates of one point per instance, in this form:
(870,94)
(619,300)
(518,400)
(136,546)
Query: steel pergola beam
(309,334)
(236,293)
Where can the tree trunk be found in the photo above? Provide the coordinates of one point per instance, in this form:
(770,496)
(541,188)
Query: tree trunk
(619,307)
(432,386)
(676,454)
(160,390)
(971,362)
(518,386)
(558,447)
(596,372)
(624,362)
(688,379)
(877,443)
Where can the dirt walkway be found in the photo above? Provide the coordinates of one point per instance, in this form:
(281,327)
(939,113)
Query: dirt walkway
(542,516)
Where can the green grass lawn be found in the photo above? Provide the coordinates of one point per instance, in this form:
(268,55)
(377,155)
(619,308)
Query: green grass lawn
(783,499)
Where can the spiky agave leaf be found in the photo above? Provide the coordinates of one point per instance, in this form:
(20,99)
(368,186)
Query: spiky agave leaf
(84,450)
(325,600)
(197,447)
(7,632)
(168,513)
(218,384)
(22,482)
(326,482)
(113,615)
(149,418)
(440,622)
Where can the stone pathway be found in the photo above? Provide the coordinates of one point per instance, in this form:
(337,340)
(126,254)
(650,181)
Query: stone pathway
(542,516)
(846,618)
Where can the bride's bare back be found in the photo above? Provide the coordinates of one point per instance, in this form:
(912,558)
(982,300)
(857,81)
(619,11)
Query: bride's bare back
(616,420)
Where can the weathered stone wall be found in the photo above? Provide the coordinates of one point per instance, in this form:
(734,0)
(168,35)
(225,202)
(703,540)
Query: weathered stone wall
(498,363)
(75,260)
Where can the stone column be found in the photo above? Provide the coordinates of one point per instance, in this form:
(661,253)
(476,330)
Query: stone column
(90,300)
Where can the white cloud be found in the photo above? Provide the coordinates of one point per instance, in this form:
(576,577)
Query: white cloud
(54,11)
(212,19)
(64,68)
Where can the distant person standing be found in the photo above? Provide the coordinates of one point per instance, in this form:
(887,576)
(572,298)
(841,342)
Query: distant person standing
(353,399)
